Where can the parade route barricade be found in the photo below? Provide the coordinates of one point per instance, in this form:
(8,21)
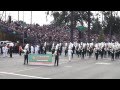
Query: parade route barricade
(40,59)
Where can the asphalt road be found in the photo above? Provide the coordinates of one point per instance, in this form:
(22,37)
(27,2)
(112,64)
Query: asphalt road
(88,68)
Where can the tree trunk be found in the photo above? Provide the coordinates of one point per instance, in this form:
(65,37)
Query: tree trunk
(89,26)
(110,33)
(72,24)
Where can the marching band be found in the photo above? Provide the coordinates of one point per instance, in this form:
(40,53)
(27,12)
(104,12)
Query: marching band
(102,50)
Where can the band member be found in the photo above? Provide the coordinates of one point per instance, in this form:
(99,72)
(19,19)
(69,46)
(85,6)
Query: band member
(32,49)
(5,50)
(60,48)
(77,50)
(36,49)
(66,49)
(112,54)
(10,51)
(82,51)
(56,56)
(53,48)
(44,48)
(70,51)
(96,52)
(101,52)
(73,50)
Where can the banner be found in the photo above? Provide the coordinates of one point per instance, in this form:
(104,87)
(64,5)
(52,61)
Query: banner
(40,59)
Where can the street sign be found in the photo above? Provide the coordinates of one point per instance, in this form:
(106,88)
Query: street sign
(81,28)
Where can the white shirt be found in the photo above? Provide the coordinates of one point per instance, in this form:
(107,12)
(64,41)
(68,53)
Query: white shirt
(36,48)
(3,49)
(32,49)
(69,52)
(6,49)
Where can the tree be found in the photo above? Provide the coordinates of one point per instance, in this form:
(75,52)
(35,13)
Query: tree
(101,37)
(96,26)
(69,18)
(111,21)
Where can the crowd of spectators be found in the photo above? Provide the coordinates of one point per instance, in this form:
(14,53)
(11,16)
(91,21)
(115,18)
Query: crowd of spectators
(46,33)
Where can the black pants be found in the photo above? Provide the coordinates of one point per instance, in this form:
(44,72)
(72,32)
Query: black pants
(44,52)
(25,59)
(101,55)
(72,55)
(10,54)
(53,51)
(96,54)
(77,52)
(82,55)
(65,52)
(108,53)
(90,54)
(56,60)
(60,52)
(112,56)
(20,53)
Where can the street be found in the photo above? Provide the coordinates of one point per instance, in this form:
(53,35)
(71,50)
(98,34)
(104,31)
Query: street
(88,68)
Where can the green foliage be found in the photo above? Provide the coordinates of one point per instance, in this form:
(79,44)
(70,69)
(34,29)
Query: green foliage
(96,26)
(101,37)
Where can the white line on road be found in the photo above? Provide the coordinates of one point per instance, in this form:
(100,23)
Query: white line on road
(27,69)
(103,63)
(24,75)
(67,66)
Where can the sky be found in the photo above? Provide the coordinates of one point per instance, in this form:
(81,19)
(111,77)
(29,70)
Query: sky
(37,16)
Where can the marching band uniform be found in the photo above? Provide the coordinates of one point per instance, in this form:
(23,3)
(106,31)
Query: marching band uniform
(112,54)
(96,52)
(56,53)
(10,51)
(36,49)
(3,49)
(70,53)
(32,49)
(44,48)
(66,49)
(82,52)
